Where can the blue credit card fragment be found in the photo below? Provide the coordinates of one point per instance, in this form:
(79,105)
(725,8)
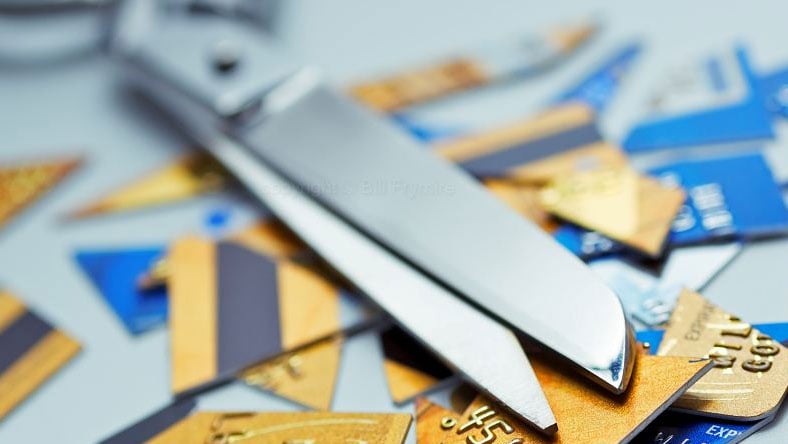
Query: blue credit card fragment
(686,428)
(115,274)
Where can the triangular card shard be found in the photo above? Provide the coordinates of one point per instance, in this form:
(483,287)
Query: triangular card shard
(620,203)
(306,376)
(21,185)
(750,374)
(188,177)
(116,275)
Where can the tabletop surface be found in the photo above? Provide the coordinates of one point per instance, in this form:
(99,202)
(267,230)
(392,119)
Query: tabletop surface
(77,107)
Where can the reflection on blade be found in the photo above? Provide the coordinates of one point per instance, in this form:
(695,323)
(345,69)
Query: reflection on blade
(475,345)
(444,222)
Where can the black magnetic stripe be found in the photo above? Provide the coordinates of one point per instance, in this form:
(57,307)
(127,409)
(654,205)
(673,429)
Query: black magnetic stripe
(498,162)
(19,337)
(153,424)
(248,329)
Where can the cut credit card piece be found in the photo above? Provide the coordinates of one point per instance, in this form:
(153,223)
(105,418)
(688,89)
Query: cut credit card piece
(685,428)
(777,331)
(153,424)
(21,185)
(306,376)
(411,370)
(750,373)
(480,66)
(648,296)
(185,178)
(288,427)
(557,142)
(222,294)
(31,352)
(598,88)
(718,101)
(116,275)
(726,196)
(584,413)
(620,203)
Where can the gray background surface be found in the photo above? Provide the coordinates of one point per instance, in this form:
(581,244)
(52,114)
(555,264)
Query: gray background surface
(77,108)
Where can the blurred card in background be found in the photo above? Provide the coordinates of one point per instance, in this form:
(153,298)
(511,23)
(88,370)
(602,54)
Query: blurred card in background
(187,177)
(717,101)
(648,295)
(223,293)
(31,352)
(116,275)
(535,150)
(518,57)
(620,203)
(21,185)
(597,88)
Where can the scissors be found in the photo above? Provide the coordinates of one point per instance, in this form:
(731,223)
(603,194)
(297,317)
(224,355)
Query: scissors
(457,269)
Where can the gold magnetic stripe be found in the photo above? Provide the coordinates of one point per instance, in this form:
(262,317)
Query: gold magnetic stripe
(10,309)
(308,305)
(547,123)
(193,329)
(35,367)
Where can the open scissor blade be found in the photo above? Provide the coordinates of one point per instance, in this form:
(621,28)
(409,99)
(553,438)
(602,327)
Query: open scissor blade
(484,351)
(444,223)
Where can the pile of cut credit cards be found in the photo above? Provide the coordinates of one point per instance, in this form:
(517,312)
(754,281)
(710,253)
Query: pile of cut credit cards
(656,216)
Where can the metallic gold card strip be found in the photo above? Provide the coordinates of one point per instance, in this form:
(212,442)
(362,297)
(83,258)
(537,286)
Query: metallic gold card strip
(399,91)
(288,427)
(10,309)
(750,374)
(193,330)
(36,366)
(187,177)
(269,237)
(308,305)
(21,185)
(584,412)
(306,376)
(517,133)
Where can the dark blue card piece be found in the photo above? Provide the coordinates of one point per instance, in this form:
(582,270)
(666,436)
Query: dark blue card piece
(726,196)
(115,274)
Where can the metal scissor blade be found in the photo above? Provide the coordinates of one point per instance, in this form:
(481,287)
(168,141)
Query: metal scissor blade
(442,221)
(476,346)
